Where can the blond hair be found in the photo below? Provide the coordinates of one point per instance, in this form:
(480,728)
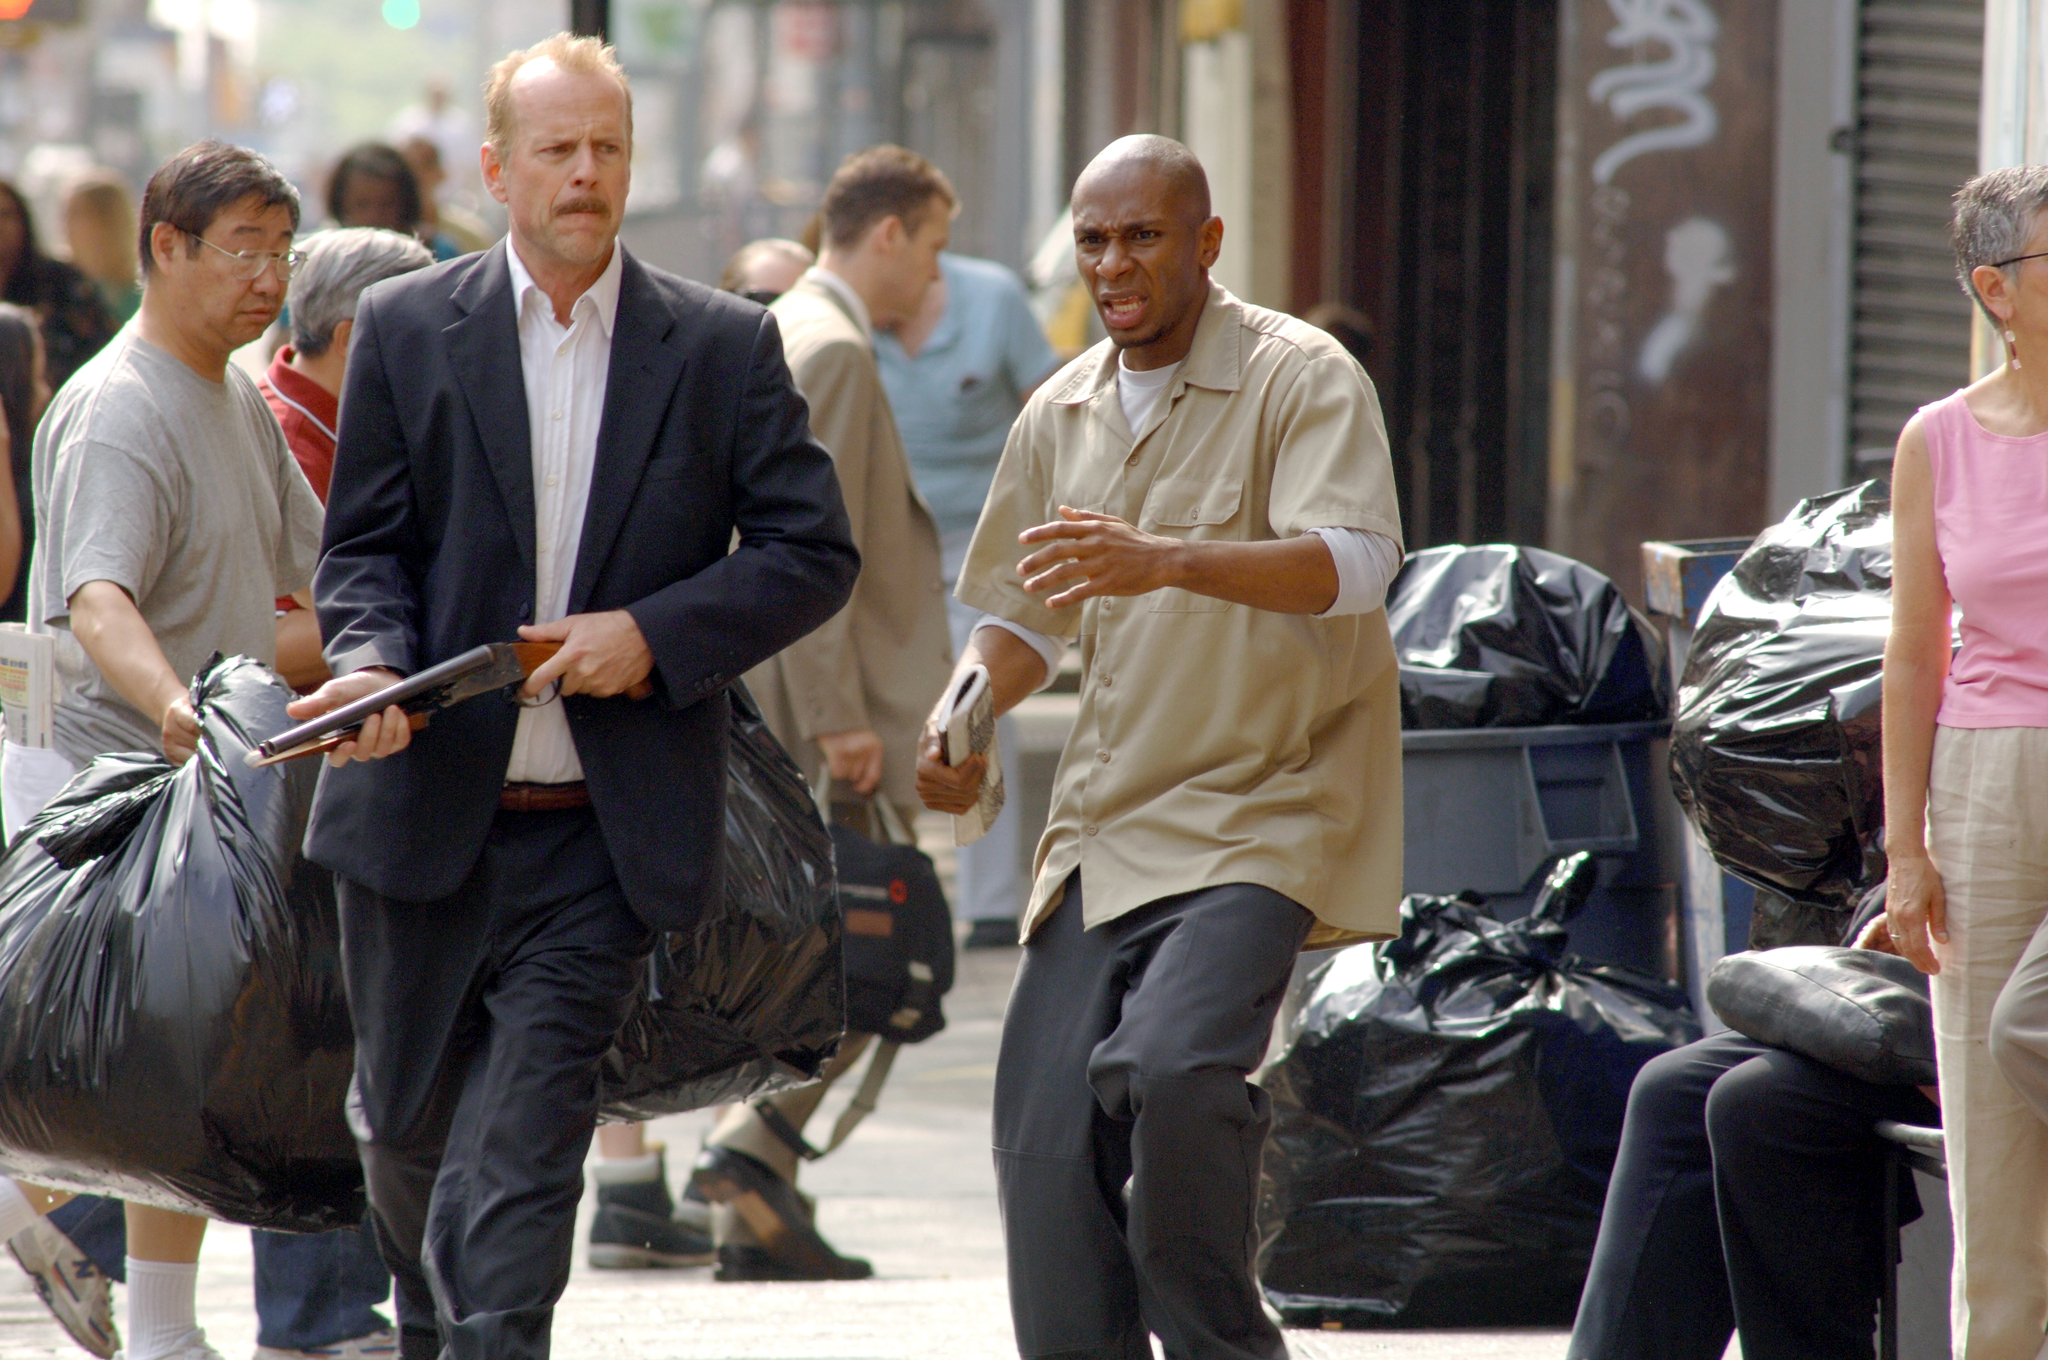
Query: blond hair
(99,201)
(584,56)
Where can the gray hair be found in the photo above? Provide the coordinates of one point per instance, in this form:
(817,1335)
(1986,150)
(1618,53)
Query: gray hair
(1994,218)
(339,265)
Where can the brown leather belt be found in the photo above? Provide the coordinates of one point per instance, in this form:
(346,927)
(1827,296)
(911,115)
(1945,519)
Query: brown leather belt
(543,797)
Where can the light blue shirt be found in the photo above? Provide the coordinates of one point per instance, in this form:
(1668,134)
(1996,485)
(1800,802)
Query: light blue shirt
(955,402)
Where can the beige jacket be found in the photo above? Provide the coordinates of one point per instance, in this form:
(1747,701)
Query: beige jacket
(1216,743)
(882,661)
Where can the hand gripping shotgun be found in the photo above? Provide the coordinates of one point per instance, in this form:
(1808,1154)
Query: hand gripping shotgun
(480,670)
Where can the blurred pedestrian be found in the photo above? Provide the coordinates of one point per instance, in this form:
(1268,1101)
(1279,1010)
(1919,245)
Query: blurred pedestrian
(448,229)
(99,227)
(372,186)
(449,127)
(303,386)
(24,392)
(958,374)
(1966,764)
(500,887)
(637,1225)
(317,1293)
(762,271)
(1206,502)
(76,321)
(172,515)
(848,700)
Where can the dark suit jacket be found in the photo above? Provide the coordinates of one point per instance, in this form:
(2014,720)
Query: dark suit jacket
(429,551)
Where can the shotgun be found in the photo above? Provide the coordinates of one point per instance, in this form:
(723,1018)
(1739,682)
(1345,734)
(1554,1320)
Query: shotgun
(480,670)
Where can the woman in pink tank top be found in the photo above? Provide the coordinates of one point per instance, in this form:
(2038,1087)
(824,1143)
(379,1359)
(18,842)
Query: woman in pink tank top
(1966,765)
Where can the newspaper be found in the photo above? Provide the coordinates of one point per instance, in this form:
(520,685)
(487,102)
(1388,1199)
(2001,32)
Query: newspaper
(28,664)
(971,730)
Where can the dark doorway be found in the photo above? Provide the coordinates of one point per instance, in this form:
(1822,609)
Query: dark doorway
(1449,252)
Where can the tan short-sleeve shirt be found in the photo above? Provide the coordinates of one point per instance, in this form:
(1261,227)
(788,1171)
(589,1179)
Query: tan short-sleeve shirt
(1216,743)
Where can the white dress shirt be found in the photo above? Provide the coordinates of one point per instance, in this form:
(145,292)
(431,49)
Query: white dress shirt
(565,369)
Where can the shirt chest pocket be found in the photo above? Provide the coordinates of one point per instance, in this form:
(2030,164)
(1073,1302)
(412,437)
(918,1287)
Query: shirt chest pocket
(1197,509)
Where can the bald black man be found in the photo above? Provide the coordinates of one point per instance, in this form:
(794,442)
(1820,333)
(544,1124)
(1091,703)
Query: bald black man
(1205,502)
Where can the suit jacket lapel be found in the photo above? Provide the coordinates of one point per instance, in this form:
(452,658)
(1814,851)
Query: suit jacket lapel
(484,349)
(647,360)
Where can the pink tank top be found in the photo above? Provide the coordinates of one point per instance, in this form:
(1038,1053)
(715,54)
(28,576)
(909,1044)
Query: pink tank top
(1991,526)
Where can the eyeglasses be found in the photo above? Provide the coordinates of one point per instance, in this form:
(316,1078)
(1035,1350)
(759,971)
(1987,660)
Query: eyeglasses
(2037,255)
(248,264)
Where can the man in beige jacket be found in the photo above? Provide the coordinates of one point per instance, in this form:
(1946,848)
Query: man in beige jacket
(851,697)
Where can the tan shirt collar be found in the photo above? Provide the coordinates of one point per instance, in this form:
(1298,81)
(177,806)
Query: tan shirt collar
(1215,360)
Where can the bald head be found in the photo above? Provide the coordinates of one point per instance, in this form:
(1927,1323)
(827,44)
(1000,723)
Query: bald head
(1176,178)
(1144,239)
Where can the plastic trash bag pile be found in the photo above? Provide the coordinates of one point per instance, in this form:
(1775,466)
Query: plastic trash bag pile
(1447,1107)
(172,1023)
(1775,749)
(1507,636)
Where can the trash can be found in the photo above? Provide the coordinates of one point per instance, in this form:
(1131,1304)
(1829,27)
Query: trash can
(1488,808)
(1714,905)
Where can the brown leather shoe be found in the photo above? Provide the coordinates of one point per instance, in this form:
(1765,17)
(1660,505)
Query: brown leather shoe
(790,1247)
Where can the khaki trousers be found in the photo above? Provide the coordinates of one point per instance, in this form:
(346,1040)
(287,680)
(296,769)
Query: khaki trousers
(1988,833)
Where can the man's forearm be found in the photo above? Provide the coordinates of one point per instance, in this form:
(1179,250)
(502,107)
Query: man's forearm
(119,641)
(1015,670)
(1286,576)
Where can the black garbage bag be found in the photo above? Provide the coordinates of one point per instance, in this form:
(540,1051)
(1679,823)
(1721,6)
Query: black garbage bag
(1775,749)
(172,1023)
(1447,1107)
(754,998)
(1507,636)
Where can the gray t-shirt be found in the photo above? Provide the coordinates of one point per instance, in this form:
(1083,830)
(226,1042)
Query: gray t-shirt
(182,492)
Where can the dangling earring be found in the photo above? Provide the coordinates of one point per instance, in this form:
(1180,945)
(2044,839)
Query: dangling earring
(2012,351)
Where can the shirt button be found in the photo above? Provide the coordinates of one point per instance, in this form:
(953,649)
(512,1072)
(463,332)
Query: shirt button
(552,479)
(558,415)
(1102,756)
(1131,461)
(1088,830)
(1108,680)
(544,548)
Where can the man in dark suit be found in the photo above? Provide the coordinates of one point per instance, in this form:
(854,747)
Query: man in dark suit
(554,439)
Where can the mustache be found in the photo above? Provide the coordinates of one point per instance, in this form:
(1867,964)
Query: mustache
(583,205)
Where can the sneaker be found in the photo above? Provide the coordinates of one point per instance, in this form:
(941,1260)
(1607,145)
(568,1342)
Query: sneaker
(637,1227)
(693,1211)
(70,1286)
(991,935)
(197,1350)
(379,1345)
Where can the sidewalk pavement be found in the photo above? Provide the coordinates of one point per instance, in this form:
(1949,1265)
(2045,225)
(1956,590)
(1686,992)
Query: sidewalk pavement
(913,1190)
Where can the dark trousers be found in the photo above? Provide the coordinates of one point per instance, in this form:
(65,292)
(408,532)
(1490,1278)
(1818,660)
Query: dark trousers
(480,1021)
(1748,1193)
(1124,1057)
(312,1289)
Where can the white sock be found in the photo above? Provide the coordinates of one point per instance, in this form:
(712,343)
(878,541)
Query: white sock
(14,1211)
(627,1170)
(163,1308)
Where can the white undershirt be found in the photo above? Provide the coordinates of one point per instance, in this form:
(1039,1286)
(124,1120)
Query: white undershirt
(565,369)
(1139,390)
